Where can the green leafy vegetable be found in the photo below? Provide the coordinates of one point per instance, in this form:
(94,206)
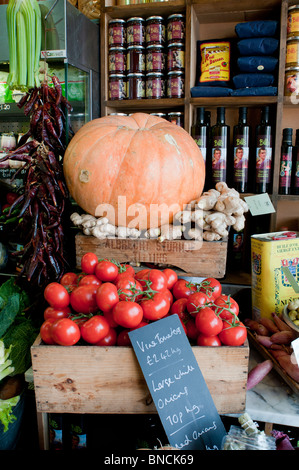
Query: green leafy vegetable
(13,301)
(5,364)
(6,414)
(21,335)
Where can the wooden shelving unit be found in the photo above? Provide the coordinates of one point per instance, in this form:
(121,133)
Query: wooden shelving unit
(209,20)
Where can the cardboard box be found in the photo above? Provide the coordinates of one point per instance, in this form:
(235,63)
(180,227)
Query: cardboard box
(275,272)
(96,379)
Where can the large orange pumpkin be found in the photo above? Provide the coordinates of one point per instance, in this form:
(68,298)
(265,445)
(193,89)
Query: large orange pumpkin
(143,167)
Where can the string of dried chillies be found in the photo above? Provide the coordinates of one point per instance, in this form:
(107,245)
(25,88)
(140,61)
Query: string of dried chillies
(41,205)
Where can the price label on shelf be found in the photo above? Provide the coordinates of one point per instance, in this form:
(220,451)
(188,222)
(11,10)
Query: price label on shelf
(260,204)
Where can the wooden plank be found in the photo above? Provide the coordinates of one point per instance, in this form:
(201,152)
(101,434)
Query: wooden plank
(195,258)
(91,379)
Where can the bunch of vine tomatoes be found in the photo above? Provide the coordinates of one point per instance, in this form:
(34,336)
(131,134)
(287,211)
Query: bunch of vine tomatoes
(100,305)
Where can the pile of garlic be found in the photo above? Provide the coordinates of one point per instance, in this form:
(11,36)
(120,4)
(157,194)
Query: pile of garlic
(207,218)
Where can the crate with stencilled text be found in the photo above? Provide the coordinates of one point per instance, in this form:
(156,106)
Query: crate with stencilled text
(191,257)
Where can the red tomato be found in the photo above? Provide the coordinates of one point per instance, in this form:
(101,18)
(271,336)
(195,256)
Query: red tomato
(154,279)
(124,275)
(196,301)
(129,289)
(90,279)
(156,307)
(69,281)
(56,295)
(106,270)
(109,339)
(203,340)
(211,287)
(226,307)
(123,338)
(83,299)
(233,334)
(140,274)
(207,322)
(107,296)
(127,313)
(141,324)
(179,307)
(65,332)
(56,313)
(45,331)
(192,332)
(94,329)
(170,296)
(127,268)
(89,262)
(11,197)
(171,276)
(183,288)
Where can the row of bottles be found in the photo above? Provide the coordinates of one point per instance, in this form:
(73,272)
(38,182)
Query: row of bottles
(243,167)
(289,163)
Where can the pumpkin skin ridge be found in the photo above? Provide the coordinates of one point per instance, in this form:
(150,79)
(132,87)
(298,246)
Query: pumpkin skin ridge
(183,182)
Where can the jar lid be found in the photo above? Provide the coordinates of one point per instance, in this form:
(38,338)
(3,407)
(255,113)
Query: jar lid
(176,72)
(158,114)
(117,75)
(150,18)
(289,69)
(293,7)
(137,74)
(135,47)
(175,15)
(153,46)
(117,48)
(135,18)
(118,20)
(154,74)
(175,113)
(295,38)
(173,44)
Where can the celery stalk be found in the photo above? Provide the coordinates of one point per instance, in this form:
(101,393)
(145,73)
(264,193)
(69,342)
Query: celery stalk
(27,10)
(38,40)
(21,52)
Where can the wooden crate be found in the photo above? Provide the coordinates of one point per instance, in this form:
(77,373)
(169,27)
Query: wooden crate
(193,258)
(93,379)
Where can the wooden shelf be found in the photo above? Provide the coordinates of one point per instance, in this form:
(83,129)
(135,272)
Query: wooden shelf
(145,9)
(146,103)
(234,101)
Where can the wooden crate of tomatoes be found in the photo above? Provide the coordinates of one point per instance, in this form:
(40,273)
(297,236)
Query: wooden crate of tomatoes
(83,360)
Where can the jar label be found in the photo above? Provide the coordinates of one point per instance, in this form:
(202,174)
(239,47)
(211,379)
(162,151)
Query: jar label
(135,34)
(135,62)
(291,82)
(116,35)
(293,22)
(155,33)
(155,61)
(176,59)
(175,30)
(292,53)
(117,89)
(175,87)
(136,88)
(117,62)
(155,88)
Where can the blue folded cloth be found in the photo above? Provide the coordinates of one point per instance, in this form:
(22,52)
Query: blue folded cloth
(244,80)
(200,91)
(255,91)
(258,64)
(257,46)
(256,29)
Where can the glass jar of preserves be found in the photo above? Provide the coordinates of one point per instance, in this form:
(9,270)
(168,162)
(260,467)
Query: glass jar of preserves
(155,58)
(155,85)
(291,83)
(155,30)
(175,85)
(293,21)
(176,118)
(117,33)
(135,59)
(117,60)
(136,86)
(117,89)
(176,28)
(175,56)
(135,32)
(292,52)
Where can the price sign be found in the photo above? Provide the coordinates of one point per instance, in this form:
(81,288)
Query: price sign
(259,204)
(177,386)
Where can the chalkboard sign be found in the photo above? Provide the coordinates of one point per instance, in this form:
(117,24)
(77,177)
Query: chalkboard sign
(177,386)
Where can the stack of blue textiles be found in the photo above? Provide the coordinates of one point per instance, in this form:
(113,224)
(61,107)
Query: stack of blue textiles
(257,46)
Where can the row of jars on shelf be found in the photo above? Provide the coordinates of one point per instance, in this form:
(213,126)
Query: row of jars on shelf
(137,31)
(176,117)
(151,85)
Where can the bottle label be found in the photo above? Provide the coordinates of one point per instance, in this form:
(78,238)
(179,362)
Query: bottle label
(263,164)
(296,174)
(219,159)
(241,157)
(201,142)
(285,169)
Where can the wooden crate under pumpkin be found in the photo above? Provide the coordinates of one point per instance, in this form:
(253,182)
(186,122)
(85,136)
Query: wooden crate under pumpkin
(93,379)
(193,258)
